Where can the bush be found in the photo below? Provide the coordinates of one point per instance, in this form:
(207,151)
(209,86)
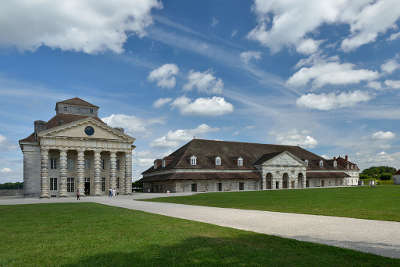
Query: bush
(385,176)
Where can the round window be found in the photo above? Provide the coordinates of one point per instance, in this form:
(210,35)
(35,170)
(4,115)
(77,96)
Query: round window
(89,130)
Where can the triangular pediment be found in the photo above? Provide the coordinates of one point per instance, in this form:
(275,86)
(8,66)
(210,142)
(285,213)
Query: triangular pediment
(87,128)
(284,159)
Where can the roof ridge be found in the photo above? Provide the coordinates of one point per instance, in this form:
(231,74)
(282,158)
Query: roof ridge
(241,142)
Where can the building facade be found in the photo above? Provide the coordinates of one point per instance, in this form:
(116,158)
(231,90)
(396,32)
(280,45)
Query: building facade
(208,165)
(75,150)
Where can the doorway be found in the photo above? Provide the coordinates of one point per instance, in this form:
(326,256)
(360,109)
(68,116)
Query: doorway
(220,187)
(87,186)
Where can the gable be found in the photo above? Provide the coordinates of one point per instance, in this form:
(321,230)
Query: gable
(77,130)
(284,159)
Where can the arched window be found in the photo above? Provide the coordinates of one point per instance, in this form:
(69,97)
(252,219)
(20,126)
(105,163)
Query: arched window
(306,162)
(321,163)
(217,161)
(335,164)
(240,162)
(193,160)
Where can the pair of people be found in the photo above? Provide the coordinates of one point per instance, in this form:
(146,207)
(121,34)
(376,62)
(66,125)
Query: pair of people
(112,192)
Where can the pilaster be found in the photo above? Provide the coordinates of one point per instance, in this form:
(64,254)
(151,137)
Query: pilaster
(63,173)
(113,169)
(97,181)
(80,170)
(128,172)
(44,172)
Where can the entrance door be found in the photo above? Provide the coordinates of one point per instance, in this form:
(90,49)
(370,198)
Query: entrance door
(220,187)
(322,183)
(87,186)
(53,187)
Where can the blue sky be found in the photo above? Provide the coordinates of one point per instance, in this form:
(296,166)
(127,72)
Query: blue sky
(321,74)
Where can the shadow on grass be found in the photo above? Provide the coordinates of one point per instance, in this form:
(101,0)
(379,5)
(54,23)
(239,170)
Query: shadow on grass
(241,251)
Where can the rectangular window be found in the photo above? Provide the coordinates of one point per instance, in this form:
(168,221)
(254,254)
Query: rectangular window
(87,164)
(118,182)
(91,110)
(53,163)
(118,165)
(53,184)
(103,164)
(103,184)
(241,186)
(65,109)
(220,187)
(70,164)
(70,184)
(194,187)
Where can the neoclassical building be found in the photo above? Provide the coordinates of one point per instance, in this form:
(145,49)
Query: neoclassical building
(76,150)
(208,165)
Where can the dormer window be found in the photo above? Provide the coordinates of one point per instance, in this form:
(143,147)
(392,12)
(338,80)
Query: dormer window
(163,163)
(335,164)
(306,162)
(155,164)
(217,161)
(321,163)
(193,160)
(240,162)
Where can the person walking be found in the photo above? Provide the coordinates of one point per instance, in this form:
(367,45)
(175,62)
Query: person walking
(78,195)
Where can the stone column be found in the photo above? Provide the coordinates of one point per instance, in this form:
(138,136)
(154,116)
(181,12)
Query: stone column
(97,180)
(44,172)
(304,180)
(128,172)
(273,181)
(263,180)
(113,168)
(63,173)
(80,170)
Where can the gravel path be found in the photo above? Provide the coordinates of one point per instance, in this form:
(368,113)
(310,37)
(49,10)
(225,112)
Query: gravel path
(378,237)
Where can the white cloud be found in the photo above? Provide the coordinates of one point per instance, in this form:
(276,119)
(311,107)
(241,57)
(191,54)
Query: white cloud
(395,84)
(249,55)
(390,66)
(308,46)
(214,22)
(214,106)
(295,138)
(161,102)
(175,138)
(381,135)
(164,75)
(132,124)
(332,100)
(204,82)
(283,23)
(5,170)
(75,25)
(394,36)
(374,84)
(324,72)
(234,32)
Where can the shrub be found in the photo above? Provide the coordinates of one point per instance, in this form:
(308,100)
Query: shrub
(385,176)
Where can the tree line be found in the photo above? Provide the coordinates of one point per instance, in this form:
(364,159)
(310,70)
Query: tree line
(380,172)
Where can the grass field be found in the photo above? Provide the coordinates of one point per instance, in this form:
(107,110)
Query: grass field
(379,203)
(88,234)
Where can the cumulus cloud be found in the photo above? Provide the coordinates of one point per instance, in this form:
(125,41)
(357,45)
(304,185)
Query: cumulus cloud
(332,101)
(394,36)
(164,75)
(161,102)
(204,82)
(394,84)
(177,137)
(5,170)
(381,135)
(295,138)
(247,56)
(323,72)
(374,84)
(287,23)
(132,124)
(390,66)
(308,46)
(214,106)
(75,25)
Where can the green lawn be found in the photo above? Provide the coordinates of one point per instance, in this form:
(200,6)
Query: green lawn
(88,234)
(379,203)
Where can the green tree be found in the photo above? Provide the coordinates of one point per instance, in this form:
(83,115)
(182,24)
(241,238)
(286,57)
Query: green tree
(376,172)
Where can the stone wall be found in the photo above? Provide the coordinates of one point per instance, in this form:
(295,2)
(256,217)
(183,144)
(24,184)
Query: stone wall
(11,192)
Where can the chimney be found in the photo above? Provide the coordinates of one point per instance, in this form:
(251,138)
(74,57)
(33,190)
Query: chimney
(346,158)
(167,160)
(334,158)
(39,126)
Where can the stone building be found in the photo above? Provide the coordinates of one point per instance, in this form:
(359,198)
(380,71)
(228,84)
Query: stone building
(76,150)
(207,165)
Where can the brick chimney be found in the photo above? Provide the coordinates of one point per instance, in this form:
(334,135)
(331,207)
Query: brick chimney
(346,158)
